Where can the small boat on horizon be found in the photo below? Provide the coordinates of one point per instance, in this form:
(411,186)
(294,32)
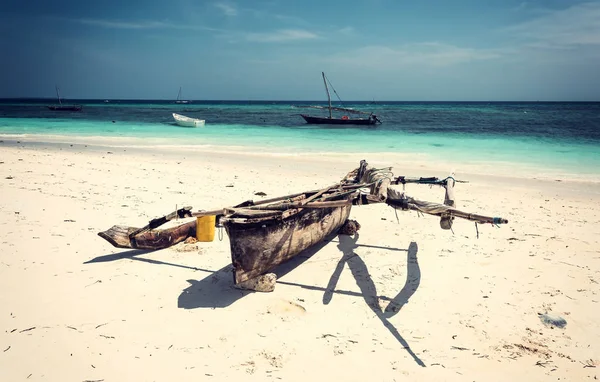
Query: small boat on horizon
(184,121)
(61,107)
(179,100)
(344,120)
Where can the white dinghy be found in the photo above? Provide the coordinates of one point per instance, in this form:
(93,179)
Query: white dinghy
(184,121)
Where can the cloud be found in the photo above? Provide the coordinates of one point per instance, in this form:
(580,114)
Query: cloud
(277,17)
(520,6)
(432,54)
(228,9)
(138,25)
(289,19)
(574,26)
(347,31)
(282,35)
(115,24)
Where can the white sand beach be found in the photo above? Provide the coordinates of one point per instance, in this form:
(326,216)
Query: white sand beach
(404,300)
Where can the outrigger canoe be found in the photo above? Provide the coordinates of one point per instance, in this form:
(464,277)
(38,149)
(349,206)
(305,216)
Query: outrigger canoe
(267,233)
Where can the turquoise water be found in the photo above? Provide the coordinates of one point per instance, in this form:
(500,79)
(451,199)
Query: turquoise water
(557,136)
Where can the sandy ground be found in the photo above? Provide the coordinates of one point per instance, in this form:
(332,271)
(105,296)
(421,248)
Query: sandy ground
(404,300)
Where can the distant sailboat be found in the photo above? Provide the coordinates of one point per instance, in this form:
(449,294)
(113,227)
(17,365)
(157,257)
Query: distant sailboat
(61,107)
(344,120)
(179,100)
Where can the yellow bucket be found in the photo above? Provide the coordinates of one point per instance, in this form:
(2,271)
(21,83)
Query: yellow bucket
(205,228)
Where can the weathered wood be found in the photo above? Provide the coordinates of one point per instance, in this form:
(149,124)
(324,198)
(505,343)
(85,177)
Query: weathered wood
(120,236)
(321,192)
(313,205)
(449,200)
(408,203)
(262,283)
(209,213)
(246,212)
(257,247)
(378,179)
(155,223)
(272,205)
(249,204)
(252,204)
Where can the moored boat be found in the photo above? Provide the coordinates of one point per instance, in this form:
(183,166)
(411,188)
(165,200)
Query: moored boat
(184,121)
(65,107)
(339,121)
(372,119)
(61,107)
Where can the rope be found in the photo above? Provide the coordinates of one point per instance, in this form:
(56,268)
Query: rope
(379,175)
(401,201)
(430,181)
(332,88)
(445,181)
(359,198)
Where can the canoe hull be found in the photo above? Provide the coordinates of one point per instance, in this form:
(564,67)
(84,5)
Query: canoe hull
(338,121)
(258,247)
(65,108)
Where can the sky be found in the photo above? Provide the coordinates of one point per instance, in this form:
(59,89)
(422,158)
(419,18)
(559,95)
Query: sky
(395,50)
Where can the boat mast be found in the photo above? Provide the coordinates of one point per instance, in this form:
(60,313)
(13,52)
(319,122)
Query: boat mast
(328,96)
(58,95)
(179,94)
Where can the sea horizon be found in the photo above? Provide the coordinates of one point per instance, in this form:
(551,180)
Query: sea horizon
(320,100)
(556,138)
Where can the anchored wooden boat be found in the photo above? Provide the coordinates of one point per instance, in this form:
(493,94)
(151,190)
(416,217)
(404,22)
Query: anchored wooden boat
(339,121)
(184,121)
(269,232)
(65,107)
(61,107)
(372,119)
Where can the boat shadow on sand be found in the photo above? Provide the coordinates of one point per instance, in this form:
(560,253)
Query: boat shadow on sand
(360,272)
(216,289)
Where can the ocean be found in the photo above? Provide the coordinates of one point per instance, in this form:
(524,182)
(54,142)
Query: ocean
(552,138)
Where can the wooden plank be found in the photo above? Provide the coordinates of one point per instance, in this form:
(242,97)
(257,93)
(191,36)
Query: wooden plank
(321,192)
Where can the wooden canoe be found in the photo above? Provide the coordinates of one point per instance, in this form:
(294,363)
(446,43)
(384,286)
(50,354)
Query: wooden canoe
(260,243)
(266,233)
